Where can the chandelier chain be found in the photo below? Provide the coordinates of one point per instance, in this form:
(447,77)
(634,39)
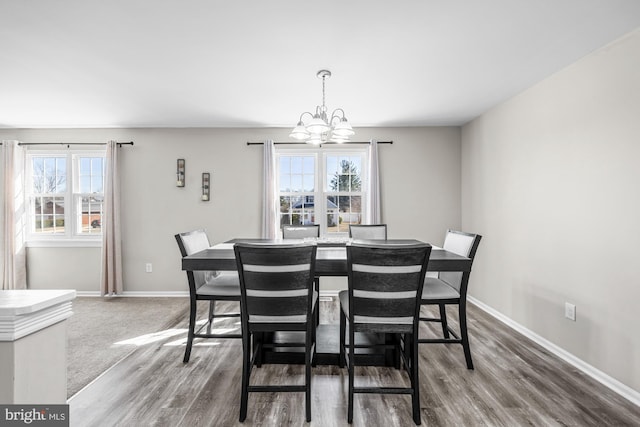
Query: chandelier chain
(324,105)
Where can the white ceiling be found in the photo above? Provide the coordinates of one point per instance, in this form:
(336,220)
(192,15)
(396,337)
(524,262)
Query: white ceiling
(253,63)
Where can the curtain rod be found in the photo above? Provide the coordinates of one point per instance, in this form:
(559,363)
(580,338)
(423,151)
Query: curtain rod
(324,143)
(120,144)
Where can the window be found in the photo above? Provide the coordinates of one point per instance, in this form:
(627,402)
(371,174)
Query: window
(65,195)
(343,191)
(334,177)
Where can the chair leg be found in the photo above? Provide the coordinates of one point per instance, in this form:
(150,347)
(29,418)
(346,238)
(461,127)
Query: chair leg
(462,307)
(212,309)
(443,320)
(246,370)
(351,369)
(192,330)
(307,375)
(415,379)
(316,283)
(341,355)
(314,327)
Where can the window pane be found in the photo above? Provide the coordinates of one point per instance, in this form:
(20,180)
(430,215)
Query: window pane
(285,165)
(297,174)
(308,183)
(333,215)
(50,166)
(302,210)
(91,174)
(61,175)
(85,184)
(38,183)
(296,165)
(97,185)
(285,182)
(49,174)
(350,211)
(49,215)
(296,183)
(285,203)
(297,210)
(356,164)
(90,211)
(85,166)
(96,166)
(308,165)
(347,176)
(61,167)
(332,165)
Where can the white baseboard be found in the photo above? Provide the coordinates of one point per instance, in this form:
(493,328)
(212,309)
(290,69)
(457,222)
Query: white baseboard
(135,294)
(181,294)
(608,381)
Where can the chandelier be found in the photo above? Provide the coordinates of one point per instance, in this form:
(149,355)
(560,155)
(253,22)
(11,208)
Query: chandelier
(319,128)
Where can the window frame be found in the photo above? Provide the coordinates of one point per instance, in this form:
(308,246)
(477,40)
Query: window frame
(321,190)
(72,236)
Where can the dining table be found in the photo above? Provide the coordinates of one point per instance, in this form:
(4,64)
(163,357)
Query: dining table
(331,260)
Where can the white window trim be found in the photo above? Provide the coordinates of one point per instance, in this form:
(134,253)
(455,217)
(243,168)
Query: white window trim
(321,190)
(70,238)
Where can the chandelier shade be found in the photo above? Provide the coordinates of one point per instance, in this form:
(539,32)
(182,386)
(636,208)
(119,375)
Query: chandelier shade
(317,128)
(300,132)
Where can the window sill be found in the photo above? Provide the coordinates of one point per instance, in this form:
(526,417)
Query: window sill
(64,243)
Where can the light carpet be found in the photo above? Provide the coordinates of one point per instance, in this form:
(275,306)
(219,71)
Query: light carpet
(102,331)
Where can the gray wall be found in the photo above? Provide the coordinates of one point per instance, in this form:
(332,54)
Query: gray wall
(420,179)
(551,179)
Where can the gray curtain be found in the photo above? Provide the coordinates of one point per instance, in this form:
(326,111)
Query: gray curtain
(111,280)
(12,217)
(269,192)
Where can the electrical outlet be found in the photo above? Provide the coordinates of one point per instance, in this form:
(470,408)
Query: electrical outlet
(570,311)
(148,267)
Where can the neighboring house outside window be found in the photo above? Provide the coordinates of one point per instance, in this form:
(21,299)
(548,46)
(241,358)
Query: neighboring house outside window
(334,177)
(65,196)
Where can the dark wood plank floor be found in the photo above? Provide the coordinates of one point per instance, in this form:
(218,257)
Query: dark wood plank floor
(515,383)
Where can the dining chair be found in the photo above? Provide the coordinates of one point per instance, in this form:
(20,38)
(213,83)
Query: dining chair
(209,286)
(384,286)
(300,231)
(277,294)
(368,231)
(450,288)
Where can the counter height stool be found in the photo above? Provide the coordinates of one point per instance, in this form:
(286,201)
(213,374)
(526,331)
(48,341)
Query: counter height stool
(209,286)
(276,284)
(368,231)
(385,284)
(302,232)
(450,287)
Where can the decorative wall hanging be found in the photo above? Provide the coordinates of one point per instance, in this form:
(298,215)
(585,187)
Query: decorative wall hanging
(180,173)
(205,186)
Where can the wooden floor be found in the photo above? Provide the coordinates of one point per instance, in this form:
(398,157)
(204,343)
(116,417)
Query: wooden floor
(515,383)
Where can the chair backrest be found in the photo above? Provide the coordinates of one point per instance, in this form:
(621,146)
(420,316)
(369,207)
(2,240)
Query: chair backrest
(385,282)
(464,244)
(190,243)
(276,282)
(368,231)
(300,231)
